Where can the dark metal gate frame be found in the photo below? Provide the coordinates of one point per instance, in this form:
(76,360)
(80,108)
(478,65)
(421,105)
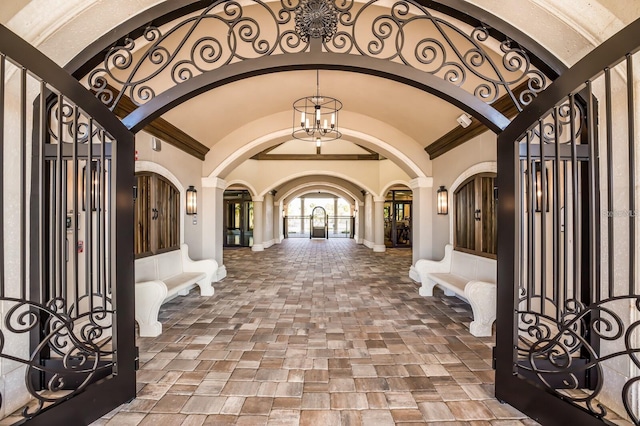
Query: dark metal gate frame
(552,345)
(111,363)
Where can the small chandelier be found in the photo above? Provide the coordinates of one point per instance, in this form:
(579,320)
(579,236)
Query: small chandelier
(315,118)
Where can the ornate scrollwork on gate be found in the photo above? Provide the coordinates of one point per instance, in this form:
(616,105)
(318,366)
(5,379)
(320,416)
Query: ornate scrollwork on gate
(229,31)
(81,341)
(551,347)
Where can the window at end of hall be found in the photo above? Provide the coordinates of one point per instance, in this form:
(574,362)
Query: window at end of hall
(475,216)
(157,215)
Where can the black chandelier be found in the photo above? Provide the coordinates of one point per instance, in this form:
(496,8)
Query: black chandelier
(315,118)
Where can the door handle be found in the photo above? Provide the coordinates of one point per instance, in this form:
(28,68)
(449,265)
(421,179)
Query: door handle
(155,214)
(477,215)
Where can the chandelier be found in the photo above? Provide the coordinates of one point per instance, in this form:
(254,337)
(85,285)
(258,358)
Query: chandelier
(315,118)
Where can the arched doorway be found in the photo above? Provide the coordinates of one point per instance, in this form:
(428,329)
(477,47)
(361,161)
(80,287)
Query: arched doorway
(319,223)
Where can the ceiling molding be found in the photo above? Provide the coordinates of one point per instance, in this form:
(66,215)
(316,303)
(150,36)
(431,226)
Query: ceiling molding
(460,135)
(164,130)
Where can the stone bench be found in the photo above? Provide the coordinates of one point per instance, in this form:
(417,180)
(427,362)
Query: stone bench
(472,278)
(161,277)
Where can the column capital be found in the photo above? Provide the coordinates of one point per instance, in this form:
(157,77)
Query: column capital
(257,198)
(214,182)
(377,199)
(421,182)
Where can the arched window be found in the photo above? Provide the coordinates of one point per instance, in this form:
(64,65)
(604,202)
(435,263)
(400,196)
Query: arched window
(157,215)
(475,209)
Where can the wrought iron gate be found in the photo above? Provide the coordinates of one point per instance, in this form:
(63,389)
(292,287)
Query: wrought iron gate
(67,213)
(568,334)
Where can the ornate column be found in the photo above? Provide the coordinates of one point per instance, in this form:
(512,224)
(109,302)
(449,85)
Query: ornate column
(258,223)
(278,231)
(378,223)
(359,231)
(423,210)
(268,234)
(212,219)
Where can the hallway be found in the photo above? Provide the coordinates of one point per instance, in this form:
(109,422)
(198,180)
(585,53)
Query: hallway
(314,332)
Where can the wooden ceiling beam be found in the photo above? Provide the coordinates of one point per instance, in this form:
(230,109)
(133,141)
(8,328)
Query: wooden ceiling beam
(460,135)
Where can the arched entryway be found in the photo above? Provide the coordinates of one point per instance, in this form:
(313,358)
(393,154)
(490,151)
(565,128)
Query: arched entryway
(159,104)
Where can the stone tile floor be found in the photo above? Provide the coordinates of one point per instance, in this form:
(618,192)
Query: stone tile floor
(315,332)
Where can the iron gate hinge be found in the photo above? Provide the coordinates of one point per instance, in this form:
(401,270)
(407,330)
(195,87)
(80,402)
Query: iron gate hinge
(493,357)
(137,360)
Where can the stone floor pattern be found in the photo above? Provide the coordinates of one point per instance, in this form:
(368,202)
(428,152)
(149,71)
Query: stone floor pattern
(315,332)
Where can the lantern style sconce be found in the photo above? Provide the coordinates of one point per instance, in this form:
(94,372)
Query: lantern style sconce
(94,183)
(442,201)
(192,203)
(539,189)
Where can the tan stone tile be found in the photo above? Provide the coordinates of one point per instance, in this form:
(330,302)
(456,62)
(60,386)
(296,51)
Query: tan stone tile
(288,389)
(400,400)
(371,385)
(435,411)
(194,420)
(153,391)
(377,400)
(342,385)
(349,401)
(317,418)
(257,406)
(377,418)
(315,400)
(126,419)
(139,405)
(163,420)
(351,417)
(284,418)
(407,415)
(286,403)
(203,405)
(470,410)
(170,404)
(252,420)
(220,420)
(503,411)
(240,389)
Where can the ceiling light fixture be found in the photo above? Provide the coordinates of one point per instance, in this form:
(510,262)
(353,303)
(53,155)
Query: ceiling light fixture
(315,118)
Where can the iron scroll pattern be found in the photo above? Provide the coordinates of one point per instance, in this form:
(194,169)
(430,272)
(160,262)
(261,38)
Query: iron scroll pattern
(549,345)
(82,341)
(228,32)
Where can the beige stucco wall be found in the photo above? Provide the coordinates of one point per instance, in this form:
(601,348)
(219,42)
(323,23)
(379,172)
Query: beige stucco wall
(446,169)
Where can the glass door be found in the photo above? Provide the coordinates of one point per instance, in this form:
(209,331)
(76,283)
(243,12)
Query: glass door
(397,218)
(238,219)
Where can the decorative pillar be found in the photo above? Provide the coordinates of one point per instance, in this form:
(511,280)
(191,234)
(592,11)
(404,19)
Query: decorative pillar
(359,231)
(423,210)
(278,219)
(378,224)
(303,221)
(212,219)
(368,220)
(258,223)
(268,234)
(335,213)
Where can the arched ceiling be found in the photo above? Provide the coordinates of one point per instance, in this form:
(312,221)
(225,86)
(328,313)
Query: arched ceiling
(421,116)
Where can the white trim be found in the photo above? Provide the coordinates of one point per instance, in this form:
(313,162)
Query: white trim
(244,183)
(257,247)
(377,199)
(421,182)
(300,191)
(368,243)
(391,184)
(257,199)
(379,248)
(294,176)
(213,182)
(397,156)
(150,166)
(484,167)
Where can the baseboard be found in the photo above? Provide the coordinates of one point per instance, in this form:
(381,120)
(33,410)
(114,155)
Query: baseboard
(379,248)
(268,244)
(368,244)
(257,247)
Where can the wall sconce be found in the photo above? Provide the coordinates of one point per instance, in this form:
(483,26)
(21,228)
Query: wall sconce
(192,203)
(442,201)
(538,189)
(94,182)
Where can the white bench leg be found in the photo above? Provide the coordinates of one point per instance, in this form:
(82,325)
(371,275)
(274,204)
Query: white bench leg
(206,289)
(448,292)
(482,298)
(149,297)
(150,329)
(426,290)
